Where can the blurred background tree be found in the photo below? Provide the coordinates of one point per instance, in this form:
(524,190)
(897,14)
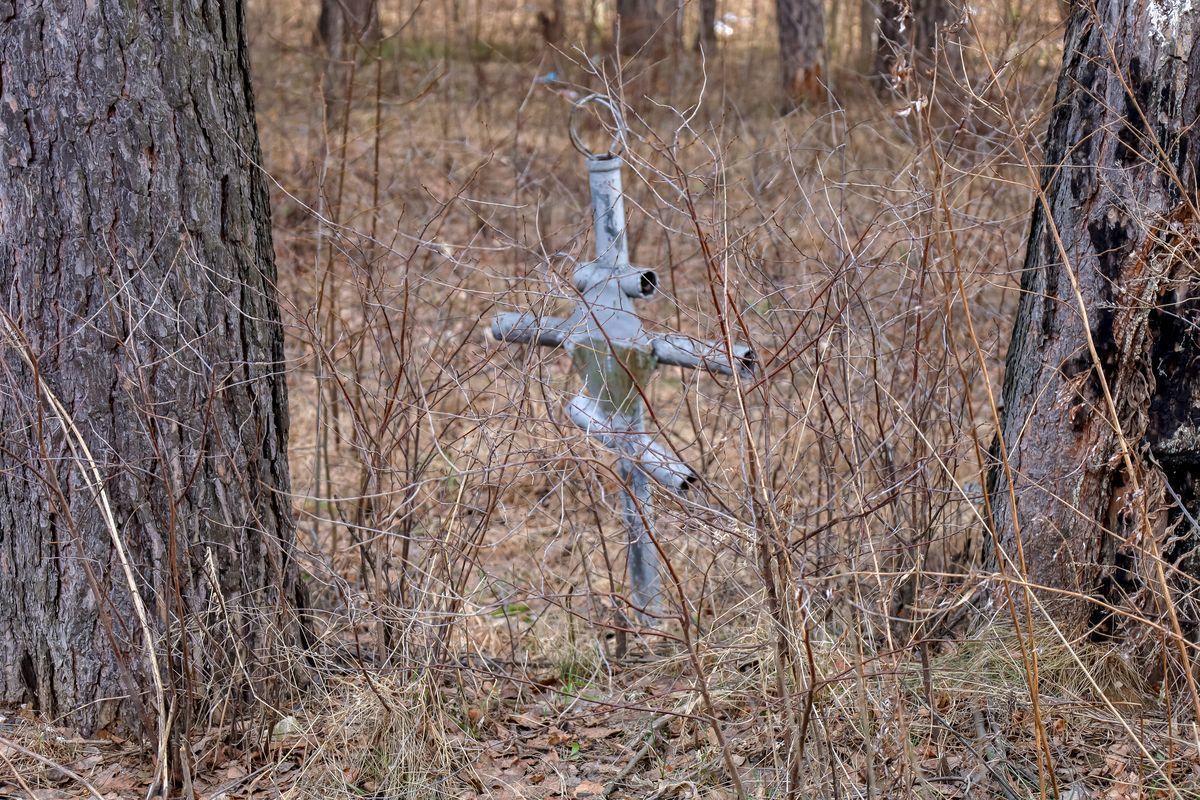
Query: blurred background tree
(801,26)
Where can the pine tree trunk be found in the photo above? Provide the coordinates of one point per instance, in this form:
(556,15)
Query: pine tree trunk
(1121,179)
(641,27)
(801,41)
(140,344)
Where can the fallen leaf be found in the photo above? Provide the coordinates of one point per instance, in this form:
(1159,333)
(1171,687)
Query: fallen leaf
(524,721)
(589,789)
(287,726)
(598,732)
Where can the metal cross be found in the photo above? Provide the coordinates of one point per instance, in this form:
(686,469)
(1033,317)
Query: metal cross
(615,356)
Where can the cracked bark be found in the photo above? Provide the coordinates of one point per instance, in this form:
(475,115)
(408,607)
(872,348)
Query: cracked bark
(136,260)
(1121,152)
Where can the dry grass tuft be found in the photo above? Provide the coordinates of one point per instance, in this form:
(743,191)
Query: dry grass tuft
(384,737)
(1069,670)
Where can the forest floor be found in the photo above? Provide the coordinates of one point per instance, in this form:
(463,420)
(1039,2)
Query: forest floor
(634,733)
(460,543)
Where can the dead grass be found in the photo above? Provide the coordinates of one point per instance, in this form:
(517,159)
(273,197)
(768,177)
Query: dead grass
(381,735)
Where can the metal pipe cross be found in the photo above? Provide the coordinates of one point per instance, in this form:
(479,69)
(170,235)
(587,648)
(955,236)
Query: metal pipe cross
(615,356)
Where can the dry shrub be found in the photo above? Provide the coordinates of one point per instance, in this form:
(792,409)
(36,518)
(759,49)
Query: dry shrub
(33,753)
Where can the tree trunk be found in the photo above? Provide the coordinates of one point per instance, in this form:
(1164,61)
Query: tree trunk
(868,14)
(801,40)
(343,23)
(553,23)
(1121,190)
(891,43)
(928,18)
(346,21)
(706,37)
(908,37)
(641,27)
(145,526)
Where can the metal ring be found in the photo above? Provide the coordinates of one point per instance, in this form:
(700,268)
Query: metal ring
(618,142)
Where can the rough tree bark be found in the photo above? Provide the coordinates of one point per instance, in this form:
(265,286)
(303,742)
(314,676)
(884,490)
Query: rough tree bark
(801,26)
(1120,184)
(143,411)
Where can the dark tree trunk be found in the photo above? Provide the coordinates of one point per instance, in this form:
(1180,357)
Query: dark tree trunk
(1121,189)
(345,22)
(553,23)
(891,43)
(908,37)
(642,27)
(706,37)
(143,411)
(928,18)
(801,41)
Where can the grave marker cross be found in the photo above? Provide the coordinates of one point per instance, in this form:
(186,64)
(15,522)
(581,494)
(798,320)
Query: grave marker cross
(615,356)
